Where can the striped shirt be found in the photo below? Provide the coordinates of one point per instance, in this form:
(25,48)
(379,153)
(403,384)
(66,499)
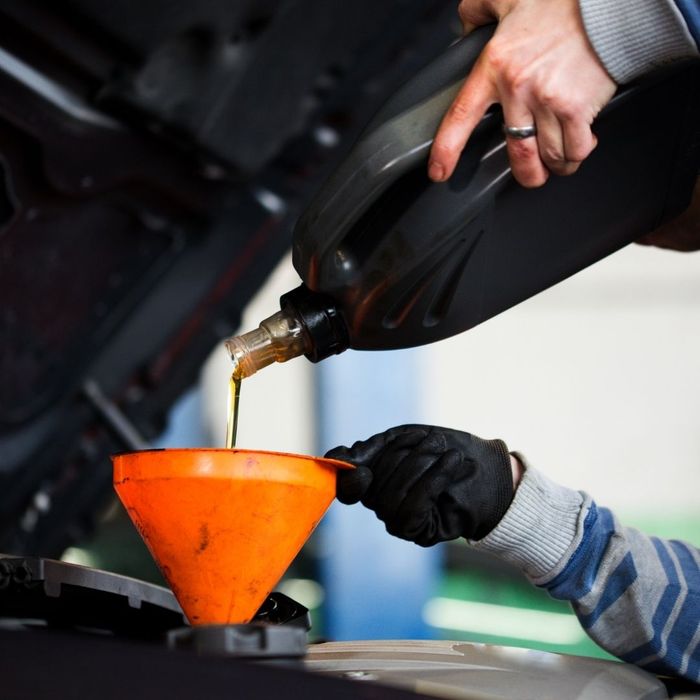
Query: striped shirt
(637,596)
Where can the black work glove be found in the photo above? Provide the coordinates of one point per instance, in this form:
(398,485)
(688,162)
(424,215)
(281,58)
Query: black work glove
(428,484)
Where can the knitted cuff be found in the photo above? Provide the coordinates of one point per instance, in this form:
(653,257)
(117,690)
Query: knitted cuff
(632,37)
(541,529)
(497,463)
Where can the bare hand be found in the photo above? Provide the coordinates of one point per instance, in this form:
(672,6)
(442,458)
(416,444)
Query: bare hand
(541,68)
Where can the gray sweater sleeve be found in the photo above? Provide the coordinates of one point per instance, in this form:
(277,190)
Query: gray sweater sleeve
(638,597)
(632,37)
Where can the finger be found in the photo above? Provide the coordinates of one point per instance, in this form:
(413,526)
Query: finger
(421,475)
(550,143)
(475,13)
(352,484)
(393,467)
(392,484)
(341,453)
(428,514)
(474,98)
(364,452)
(579,140)
(525,162)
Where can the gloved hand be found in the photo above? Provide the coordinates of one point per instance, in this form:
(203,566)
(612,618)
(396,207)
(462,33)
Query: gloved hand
(428,484)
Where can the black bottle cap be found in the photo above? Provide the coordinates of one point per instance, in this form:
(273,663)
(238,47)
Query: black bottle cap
(321,319)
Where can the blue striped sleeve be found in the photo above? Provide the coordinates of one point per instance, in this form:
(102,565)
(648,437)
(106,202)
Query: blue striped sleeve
(690,9)
(636,596)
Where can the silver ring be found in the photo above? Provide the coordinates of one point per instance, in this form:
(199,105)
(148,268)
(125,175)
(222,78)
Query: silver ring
(520,132)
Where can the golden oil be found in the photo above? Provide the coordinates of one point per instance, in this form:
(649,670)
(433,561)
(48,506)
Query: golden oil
(278,339)
(234,395)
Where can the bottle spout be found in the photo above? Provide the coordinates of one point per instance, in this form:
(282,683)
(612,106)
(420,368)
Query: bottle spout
(307,324)
(278,338)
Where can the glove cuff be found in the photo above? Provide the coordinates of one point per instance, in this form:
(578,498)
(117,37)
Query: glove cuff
(496,461)
(541,529)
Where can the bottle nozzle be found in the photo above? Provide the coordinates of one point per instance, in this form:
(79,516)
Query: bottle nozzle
(308,324)
(278,338)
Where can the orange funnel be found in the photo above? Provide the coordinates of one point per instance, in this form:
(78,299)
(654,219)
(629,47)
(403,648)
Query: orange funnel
(223,525)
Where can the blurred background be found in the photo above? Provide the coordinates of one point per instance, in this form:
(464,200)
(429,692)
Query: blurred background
(595,381)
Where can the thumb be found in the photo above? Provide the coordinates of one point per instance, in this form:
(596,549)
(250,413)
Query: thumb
(352,484)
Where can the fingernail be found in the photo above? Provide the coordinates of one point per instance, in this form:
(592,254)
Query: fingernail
(435,171)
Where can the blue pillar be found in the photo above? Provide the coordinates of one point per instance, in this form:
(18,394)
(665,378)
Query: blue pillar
(185,427)
(376,585)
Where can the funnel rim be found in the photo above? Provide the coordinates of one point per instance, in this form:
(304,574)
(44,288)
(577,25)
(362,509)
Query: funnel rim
(221,463)
(242,450)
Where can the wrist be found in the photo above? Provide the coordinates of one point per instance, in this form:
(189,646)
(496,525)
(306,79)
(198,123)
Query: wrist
(517,469)
(541,529)
(494,485)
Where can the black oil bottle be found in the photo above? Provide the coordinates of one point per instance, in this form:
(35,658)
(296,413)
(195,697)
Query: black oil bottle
(389,259)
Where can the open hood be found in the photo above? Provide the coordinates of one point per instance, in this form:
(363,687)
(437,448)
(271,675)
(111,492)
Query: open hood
(153,159)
